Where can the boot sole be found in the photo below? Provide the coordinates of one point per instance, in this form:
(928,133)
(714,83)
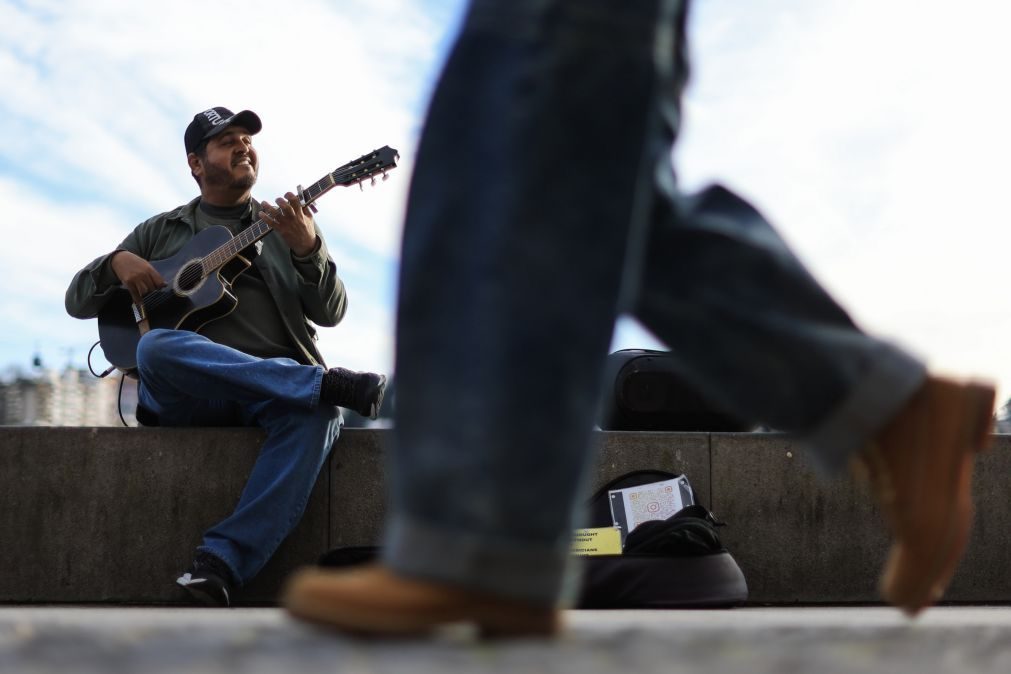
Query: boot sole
(305,600)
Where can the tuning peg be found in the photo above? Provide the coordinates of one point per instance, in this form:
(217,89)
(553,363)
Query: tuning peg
(360,186)
(386,176)
(373,183)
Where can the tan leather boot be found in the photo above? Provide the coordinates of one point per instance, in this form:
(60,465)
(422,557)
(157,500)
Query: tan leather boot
(920,471)
(373,600)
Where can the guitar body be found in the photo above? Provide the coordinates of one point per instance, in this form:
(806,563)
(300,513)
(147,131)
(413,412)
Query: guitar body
(181,304)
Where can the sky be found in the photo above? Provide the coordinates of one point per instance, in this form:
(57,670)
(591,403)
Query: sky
(873,134)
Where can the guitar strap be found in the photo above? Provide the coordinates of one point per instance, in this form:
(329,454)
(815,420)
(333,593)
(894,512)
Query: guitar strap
(140,318)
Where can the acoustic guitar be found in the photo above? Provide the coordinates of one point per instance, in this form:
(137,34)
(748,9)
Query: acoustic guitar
(198,278)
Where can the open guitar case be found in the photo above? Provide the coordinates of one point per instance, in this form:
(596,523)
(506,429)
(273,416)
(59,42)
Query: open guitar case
(675,563)
(679,562)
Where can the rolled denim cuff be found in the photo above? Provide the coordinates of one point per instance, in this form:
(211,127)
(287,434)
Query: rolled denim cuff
(516,570)
(871,404)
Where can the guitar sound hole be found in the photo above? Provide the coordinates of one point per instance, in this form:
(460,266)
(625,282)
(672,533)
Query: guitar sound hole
(189,278)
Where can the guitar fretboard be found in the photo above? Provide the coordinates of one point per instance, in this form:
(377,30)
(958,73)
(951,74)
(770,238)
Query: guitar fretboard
(378,161)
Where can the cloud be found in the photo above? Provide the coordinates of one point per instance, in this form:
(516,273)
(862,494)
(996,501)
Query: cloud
(874,136)
(98,94)
(46,244)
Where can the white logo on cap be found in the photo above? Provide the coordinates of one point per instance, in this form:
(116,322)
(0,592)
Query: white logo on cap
(213,117)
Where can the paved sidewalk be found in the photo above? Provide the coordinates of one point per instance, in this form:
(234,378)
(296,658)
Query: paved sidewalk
(753,640)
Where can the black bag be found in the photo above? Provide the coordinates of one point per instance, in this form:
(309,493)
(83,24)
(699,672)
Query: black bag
(348,555)
(644,392)
(674,563)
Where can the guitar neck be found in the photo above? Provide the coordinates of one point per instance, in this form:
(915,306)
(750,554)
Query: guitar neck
(352,173)
(221,255)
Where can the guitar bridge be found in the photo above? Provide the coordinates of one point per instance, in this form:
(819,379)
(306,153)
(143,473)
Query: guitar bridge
(138,312)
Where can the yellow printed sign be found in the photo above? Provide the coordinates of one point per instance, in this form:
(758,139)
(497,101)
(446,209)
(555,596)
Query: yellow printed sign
(598,541)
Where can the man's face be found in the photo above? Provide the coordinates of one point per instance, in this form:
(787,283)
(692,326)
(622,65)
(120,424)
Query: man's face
(231,161)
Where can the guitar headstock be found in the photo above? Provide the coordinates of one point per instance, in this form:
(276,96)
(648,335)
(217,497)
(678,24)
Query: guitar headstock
(353,173)
(367,166)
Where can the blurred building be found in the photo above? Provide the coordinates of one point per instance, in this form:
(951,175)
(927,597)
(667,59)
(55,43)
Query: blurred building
(1002,419)
(70,397)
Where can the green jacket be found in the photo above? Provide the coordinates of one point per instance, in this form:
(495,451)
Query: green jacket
(304,289)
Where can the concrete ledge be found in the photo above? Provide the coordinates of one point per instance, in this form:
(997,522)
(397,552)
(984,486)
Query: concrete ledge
(94,515)
(114,514)
(801,539)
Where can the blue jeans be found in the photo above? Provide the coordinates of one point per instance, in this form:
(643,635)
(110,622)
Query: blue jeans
(188,380)
(542,206)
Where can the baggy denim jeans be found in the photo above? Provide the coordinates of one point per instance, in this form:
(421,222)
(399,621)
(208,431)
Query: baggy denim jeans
(543,205)
(188,380)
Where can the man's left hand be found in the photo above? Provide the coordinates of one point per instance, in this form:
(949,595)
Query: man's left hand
(293,222)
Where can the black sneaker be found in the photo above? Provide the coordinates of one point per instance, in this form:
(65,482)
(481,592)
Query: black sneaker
(359,391)
(208,580)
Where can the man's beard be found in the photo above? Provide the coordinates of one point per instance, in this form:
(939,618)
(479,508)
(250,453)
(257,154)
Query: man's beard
(216,176)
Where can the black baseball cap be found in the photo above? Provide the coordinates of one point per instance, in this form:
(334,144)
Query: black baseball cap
(213,121)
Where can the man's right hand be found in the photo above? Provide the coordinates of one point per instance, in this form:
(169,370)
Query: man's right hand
(136,274)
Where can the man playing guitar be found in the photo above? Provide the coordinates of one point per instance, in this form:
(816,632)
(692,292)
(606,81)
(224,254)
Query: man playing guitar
(255,363)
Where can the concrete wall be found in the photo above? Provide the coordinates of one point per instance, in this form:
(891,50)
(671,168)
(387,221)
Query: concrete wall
(113,514)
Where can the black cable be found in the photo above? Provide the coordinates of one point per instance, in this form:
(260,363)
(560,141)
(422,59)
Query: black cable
(119,400)
(122,380)
(104,374)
